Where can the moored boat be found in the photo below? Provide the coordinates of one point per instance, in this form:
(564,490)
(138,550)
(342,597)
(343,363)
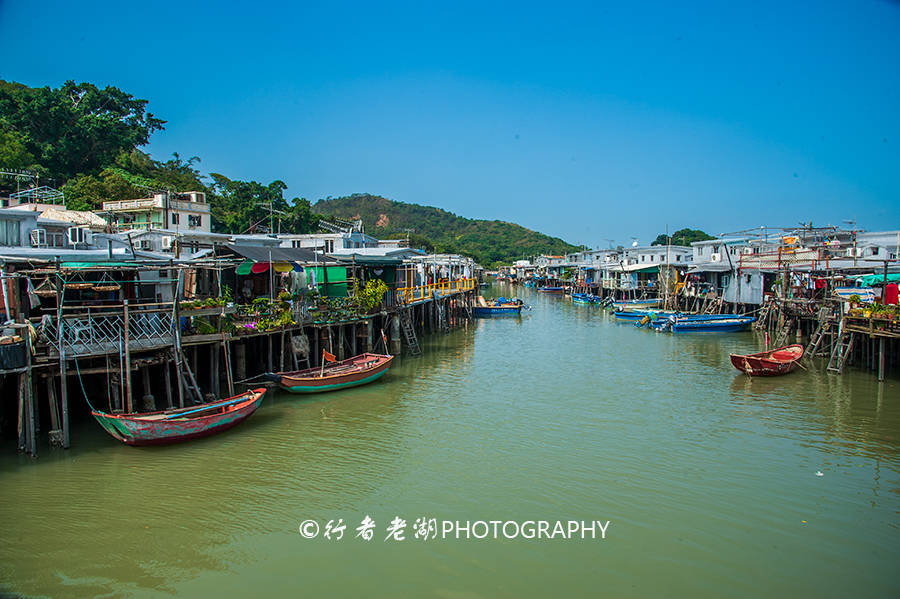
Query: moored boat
(358,370)
(583,298)
(679,324)
(550,289)
(643,303)
(499,307)
(774,362)
(180,424)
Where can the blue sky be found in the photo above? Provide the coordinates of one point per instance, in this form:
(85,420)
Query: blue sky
(590,121)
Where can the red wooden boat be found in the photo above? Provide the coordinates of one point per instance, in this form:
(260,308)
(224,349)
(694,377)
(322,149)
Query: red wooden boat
(180,424)
(769,363)
(351,372)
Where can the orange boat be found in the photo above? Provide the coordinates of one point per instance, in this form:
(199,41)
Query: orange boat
(769,363)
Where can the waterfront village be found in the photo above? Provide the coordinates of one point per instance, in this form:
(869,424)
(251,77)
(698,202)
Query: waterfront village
(91,301)
(143,302)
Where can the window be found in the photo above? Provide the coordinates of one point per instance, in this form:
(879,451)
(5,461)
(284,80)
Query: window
(678,258)
(195,220)
(642,258)
(9,232)
(174,218)
(874,251)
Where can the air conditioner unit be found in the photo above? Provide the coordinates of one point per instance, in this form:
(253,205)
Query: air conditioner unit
(716,257)
(38,238)
(166,243)
(79,235)
(747,251)
(853,252)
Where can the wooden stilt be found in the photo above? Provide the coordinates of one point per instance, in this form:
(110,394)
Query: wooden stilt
(129,407)
(229,379)
(167,377)
(64,398)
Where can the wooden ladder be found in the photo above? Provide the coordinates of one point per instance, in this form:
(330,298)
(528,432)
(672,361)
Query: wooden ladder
(443,321)
(826,326)
(782,336)
(841,352)
(760,323)
(410,333)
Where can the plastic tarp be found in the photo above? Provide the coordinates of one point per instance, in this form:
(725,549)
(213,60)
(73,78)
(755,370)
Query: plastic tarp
(866,294)
(869,280)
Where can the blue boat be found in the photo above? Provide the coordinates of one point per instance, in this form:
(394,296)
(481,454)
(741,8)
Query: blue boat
(582,298)
(641,314)
(722,323)
(644,303)
(500,307)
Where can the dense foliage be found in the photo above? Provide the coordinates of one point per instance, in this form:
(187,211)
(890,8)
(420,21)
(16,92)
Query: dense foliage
(682,237)
(77,128)
(489,242)
(85,141)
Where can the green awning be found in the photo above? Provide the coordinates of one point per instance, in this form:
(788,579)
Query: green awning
(649,269)
(869,280)
(244,267)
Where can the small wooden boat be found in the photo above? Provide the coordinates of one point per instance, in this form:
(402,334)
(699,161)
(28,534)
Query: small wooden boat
(550,289)
(180,424)
(644,303)
(680,324)
(358,370)
(499,307)
(769,363)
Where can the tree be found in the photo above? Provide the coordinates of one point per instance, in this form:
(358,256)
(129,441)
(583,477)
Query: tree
(243,206)
(682,237)
(77,128)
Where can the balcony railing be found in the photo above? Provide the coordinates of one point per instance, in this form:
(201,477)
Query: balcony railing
(409,295)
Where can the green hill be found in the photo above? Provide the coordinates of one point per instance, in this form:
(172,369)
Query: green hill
(488,241)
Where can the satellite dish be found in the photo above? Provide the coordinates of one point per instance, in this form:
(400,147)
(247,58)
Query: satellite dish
(634,243)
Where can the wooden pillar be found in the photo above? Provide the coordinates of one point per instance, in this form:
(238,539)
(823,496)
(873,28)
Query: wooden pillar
(229,379)
(128,403)
(31,428)
(370,326)
(54,410)
(114,387)
(395,335)
(240,361)
(148,401)
(167,378)
(881,359)
(64,398)
(214,378)
(340,342)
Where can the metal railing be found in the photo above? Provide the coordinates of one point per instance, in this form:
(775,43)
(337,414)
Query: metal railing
(408,295)
(102,330)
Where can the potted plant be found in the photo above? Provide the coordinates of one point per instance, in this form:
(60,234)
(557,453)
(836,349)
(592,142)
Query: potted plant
(854,301)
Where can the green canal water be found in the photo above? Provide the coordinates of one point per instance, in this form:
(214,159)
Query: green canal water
(707,478)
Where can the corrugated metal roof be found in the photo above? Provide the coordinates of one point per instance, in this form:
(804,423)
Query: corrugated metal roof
(275,254)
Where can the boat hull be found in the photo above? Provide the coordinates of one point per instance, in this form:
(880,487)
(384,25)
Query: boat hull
(731,325)
(772,363)
(550,289)
(488,311)
(165,428)
(309,381)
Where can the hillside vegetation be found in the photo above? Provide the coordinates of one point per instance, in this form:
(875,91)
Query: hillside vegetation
(488,241)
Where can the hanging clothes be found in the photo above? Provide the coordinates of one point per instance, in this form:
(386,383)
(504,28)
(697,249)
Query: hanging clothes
(890,294)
